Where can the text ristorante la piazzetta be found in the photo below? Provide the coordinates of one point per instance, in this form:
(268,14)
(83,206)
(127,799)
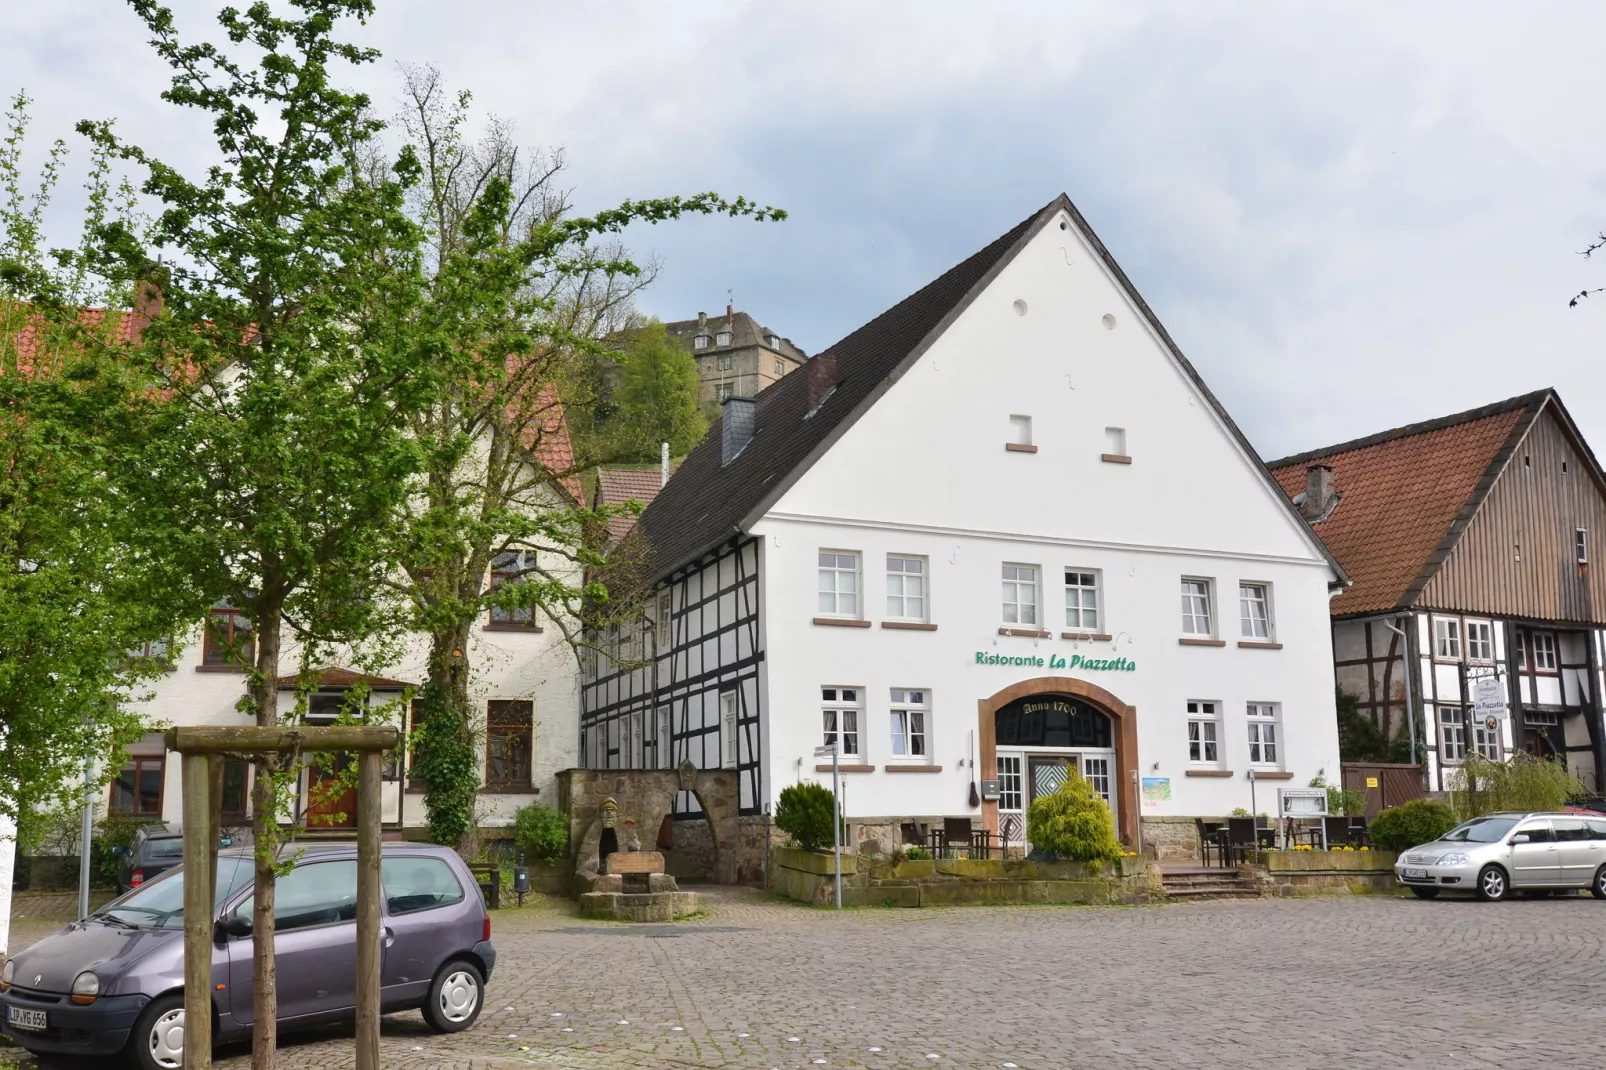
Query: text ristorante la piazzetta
(1058,661)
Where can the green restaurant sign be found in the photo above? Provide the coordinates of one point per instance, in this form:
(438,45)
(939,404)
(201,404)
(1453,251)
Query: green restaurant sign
(1058,661)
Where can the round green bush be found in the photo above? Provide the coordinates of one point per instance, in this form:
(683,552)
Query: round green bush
(1074,822)
(1409,824)
(542,833)
(804,812)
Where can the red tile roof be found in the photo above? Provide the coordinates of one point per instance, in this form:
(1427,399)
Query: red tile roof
(334,676)
(615,486)
(1401,494)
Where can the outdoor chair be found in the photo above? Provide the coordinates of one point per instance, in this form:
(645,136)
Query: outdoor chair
(1337,830)
(957,833)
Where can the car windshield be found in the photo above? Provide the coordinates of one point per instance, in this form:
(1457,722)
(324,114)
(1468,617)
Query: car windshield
(165,848)
(160,904)
(1481,830)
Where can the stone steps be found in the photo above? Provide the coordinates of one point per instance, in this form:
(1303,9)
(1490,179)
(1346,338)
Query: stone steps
(1202,883)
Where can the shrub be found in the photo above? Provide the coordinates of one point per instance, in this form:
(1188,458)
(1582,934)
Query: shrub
(1074,822)
(1406,825)
(804,813)
(1341,802)
(542,832)
(1524,782)
(916,854)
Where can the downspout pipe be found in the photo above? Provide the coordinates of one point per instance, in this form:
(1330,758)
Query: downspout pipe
(1406,661)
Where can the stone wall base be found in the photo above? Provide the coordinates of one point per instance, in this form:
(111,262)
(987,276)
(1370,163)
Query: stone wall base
(809,877)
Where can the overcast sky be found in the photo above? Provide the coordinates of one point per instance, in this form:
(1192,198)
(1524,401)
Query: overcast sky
(1349,216)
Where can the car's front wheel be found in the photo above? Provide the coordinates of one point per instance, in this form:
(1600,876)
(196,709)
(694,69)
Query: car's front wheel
(1425,893)
(455,997)
(157,1042)
(1493,885)
(1598,887)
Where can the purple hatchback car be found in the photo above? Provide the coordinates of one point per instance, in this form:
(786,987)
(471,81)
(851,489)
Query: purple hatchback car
(114,982)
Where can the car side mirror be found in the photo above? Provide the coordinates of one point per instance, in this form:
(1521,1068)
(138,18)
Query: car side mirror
(225,842)
(235,927)
(119,851)
(1521,837)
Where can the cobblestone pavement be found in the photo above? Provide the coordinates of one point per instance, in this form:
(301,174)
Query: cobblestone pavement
(1373,982)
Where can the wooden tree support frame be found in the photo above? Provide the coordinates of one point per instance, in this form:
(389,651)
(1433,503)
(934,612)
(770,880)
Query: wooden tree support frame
(203,750)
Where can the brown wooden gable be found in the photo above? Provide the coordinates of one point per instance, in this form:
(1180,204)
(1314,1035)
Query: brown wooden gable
(1516,556)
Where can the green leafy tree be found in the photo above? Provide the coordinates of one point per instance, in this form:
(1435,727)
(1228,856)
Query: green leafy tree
(1522,782)
(517,295)
(657,397)
(85,595)
(1073,822)
(265,436)
(1409,824)
(805,812)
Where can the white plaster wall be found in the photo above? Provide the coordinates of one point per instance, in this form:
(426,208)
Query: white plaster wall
(925,472)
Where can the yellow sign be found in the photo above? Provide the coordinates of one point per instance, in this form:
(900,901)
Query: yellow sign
(1371,781)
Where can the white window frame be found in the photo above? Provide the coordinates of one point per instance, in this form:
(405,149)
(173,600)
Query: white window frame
(1204,734)
(725,390)
(1453,736)
(836,570)
(1264,730)
(700,342)
(1543,652)
(1020,430)
(842,717)
(724,362)
(1190,607)
(1077,596)
(780,367)
(1479,649)
(899,578)
(1581,545)
(1011,783)
(729,704)
(723,338)
(1014,585)
(1447,639)
(1484,740)
(660,741)
(1096,771)
(909,726)
(1253,594)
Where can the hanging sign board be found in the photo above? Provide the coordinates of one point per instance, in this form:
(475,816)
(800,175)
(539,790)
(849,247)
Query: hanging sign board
(1489,698)
(1302,802)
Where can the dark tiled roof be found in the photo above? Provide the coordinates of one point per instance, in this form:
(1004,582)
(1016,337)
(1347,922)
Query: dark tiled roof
(334,676)
(745,331)
(706,503)
(1406,494)
(615,486)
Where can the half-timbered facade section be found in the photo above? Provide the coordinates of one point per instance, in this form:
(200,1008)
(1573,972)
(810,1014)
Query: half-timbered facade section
(1470,541)
(683,683)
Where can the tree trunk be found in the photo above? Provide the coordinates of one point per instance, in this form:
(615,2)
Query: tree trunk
(264,825)
(448,678)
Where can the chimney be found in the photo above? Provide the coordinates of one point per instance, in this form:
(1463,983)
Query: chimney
(730,315)
(822,379)
(147,307)
(1318,491)
(702,319)
(735,428)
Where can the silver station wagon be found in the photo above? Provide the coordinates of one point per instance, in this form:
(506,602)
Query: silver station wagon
(114,981)
(1497,854)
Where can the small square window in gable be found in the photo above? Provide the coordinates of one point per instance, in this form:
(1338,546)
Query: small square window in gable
(1020,435)
(1115,446)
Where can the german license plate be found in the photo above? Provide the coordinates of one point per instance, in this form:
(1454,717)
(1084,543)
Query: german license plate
(21,1018)
(1415,873)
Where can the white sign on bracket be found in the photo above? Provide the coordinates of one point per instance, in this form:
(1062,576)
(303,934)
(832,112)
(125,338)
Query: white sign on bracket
(1489,698)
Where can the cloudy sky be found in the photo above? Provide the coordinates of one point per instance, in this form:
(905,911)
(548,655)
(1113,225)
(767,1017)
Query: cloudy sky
(1349,216)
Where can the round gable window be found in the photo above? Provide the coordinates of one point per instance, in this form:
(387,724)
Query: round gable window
(1020,307)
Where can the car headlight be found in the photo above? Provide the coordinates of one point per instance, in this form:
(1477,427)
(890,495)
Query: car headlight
(1455,860)
(5,974)
(85,987)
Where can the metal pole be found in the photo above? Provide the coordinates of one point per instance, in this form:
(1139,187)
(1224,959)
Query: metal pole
(197,914)
(87,833)
(368,924)
(1410,708)
(836,817)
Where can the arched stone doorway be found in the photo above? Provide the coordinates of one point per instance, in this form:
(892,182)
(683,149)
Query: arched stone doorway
(1124,719)
(644,798)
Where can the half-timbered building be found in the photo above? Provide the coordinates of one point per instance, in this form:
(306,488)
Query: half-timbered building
(1001,533)
(1469,539)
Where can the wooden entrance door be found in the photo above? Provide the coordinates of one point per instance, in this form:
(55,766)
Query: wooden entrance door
(327,806)
(1048,772)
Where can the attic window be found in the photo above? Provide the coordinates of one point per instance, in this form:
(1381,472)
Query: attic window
(1563,467)
(723,338)
(775,343)
(700,342)
(1020,435)
(1581,545)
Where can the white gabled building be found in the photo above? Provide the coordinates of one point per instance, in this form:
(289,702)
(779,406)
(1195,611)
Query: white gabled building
(1001,531)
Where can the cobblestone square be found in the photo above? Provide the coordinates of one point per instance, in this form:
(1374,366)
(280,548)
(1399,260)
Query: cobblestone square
(1375,982)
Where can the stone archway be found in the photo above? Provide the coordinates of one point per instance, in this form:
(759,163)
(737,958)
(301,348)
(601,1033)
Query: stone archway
(1126,741)
(644,798)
